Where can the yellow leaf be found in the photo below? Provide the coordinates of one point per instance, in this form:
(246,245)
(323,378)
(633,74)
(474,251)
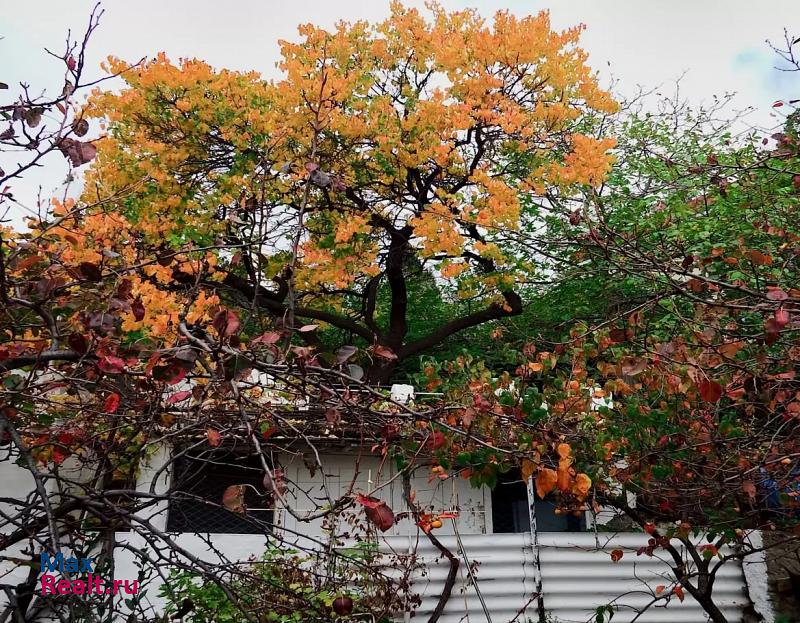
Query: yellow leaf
(528,469)
(563,476)
(546,481)
(582,485)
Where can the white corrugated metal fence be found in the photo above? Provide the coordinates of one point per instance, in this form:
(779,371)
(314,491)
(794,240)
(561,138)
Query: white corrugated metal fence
(577,576)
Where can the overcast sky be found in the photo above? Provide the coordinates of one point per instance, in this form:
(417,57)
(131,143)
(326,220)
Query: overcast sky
(717,45)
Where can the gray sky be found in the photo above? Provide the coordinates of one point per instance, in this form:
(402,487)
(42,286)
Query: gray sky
(719,44)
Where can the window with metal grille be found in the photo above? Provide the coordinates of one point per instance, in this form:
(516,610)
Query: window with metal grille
(206,476)
(510,509)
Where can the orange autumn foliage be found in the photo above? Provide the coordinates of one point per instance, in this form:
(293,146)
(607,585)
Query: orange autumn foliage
(402,130)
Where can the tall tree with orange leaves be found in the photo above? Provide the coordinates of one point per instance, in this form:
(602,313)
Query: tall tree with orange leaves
(411,143)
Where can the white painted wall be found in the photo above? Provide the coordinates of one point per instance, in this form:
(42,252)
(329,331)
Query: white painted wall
(577,574)
(16,483)
(369,474)
(755,573)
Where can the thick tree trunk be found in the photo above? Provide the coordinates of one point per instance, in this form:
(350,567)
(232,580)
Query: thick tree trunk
(711,609)
(702,589)
(381,371)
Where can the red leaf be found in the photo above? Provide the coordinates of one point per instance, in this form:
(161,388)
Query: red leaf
(270,337)
(77,152)
(233,499)
(269,432)
(151,363)
(679,592)
(777,104)
(137,307)
(111,404)
(59,455)
(384,352)
(735,394)
(71,62)
(78,343)
(176,374)
(275,483)
(632,366)
(368,501)
(170,372)
(345,352)
(226,322)
(90,271)
(111,364)
(178,397)
(214,438)
(616,555)
(79,126)
(781,317)
(435,440)
(760,259)
(125,289)
(772,326)
(382,517)
(343,606)
(377,512)
(776,294)
(710,391)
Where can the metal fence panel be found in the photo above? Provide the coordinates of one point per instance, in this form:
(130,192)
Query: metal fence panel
(578,576)
(503,570)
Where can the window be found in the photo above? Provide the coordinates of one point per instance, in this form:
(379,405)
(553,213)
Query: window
(510,509)
(207,475)
(510,504)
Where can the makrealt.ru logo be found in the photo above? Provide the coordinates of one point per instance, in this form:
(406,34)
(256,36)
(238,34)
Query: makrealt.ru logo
(67,565)
(91,585)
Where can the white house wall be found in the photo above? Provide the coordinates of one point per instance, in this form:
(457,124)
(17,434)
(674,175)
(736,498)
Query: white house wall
(757,578)
(577,574)
(16,483)
(369,473)
(212,549)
